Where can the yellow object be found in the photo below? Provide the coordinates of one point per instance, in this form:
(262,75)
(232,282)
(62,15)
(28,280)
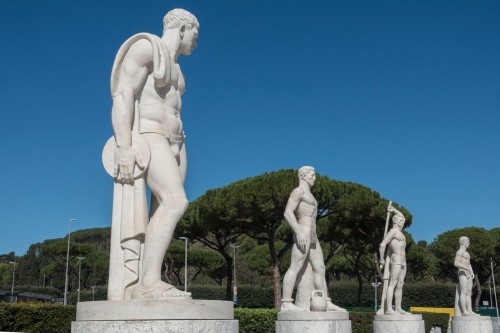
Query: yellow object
(450,311)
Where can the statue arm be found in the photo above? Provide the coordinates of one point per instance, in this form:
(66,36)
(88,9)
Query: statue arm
(291,206)
(387,239)
(458,262)
(132,76)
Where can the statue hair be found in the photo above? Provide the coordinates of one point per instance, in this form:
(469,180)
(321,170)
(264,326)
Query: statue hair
(462,240)
(304,171)
(178,17)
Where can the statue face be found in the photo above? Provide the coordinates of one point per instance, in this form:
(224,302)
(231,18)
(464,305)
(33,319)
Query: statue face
(188,42)
(310,178)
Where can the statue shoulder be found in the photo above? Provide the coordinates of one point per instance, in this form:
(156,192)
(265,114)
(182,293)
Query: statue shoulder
(297,193)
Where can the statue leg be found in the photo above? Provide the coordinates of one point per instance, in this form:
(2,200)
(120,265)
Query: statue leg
(319,271)
(393,280)
(296,263)
(462,300)
(165,181)
(398,294)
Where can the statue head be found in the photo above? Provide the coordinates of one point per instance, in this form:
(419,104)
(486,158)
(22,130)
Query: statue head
(307,174)
(399,219)
(464,241)
(178,17)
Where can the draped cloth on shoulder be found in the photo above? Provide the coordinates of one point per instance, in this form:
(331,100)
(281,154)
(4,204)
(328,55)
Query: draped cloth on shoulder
(130,213)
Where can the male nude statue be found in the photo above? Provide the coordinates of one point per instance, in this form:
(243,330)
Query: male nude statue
(147,85)
(463,302)
(395,269)
(300,213)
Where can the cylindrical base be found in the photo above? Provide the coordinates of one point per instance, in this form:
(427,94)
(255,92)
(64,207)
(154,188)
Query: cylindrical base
(471,324)
(155,326)
(398,324)
(316,326)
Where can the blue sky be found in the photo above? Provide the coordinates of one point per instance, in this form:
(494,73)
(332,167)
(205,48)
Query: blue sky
(400,96)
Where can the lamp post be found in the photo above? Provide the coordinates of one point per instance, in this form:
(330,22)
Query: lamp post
(93,290)
(494,289)
(235,289)
(67,263)
(375,285)
(185,239)
(79,272)
(13,279)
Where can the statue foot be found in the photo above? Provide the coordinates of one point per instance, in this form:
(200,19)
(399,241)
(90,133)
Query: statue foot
(466,313)
(332,307)
(390,312)
(403,312)
(287,305)
(380,312)
(158,290)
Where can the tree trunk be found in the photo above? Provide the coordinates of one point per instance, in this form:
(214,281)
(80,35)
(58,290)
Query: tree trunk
(277,285)
(478,296)
(229,283)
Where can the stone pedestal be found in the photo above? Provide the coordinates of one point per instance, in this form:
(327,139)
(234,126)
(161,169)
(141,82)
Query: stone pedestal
(310,321)
(471,324)
(137,316)
(398,324)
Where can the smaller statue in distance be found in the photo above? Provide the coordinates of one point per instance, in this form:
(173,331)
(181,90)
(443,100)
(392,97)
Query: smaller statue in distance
(394,264)
(463,301)
(300,213)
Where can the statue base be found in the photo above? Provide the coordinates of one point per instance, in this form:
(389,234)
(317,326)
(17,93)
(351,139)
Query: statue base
(155,315)
(398,324)
(471,324)
(311,321)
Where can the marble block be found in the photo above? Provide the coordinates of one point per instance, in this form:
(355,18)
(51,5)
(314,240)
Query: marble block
(471,324)
(313,315)
(316,326)
(155,326)
(398,324)
(154,309)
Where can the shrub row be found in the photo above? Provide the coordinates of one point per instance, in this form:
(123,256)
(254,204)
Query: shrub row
(342,293)
(43,318)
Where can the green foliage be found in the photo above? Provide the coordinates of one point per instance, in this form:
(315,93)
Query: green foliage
(36,318)
(435,319)
(362,322)
(256,320)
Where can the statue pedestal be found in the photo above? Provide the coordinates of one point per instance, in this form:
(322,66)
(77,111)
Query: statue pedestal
(398,324)
(155,315)
(471,324)
(310,321)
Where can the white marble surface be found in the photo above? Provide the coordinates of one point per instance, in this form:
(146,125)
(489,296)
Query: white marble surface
(313,315)
(314,326)
(471,324)
(155,309)
(398,324)
(156,326)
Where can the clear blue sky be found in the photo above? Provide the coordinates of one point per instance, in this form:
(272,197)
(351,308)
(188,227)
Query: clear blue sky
(400,96)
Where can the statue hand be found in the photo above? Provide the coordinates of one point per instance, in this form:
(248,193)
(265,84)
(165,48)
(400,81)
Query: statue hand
(302,240)
(382,263)
(125,160)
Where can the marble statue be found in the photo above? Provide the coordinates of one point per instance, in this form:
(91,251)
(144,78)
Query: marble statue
(300,213)
(148,149)
(463,301)
(394,264)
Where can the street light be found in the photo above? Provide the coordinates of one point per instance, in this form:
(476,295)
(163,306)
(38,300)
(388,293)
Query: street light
(67,263)
(235,289)
(13,279)
(185,239)
(79,272)
(376,284)
(93,290)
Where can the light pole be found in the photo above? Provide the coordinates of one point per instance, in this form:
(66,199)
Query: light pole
(494,289)
(13,279)
(67,263)
(235,289)
(79,272)
(375,285)
(93,290)
(185,239)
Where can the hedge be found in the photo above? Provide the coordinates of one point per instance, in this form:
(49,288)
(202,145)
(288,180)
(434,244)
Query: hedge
(435,319)
(36,318)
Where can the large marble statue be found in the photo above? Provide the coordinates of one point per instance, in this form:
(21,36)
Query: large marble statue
(394,264)
(463,301)
(300,213)
(147,149)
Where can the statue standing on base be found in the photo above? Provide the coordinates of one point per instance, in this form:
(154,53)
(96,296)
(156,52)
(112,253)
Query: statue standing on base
(147,149)
(463,301)
(394,264)
(300,213)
